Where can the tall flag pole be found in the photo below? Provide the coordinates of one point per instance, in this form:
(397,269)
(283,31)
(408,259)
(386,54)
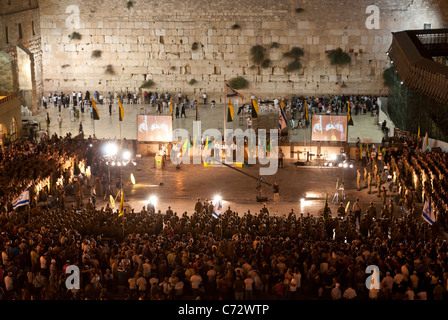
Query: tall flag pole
(121,113)
(230,113)
(171,106)
(197,108)
(254,109)
(349,111)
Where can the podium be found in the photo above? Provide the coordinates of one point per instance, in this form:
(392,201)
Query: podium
(159,162)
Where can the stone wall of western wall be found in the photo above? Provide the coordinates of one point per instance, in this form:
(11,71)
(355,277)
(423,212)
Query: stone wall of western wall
(152,40)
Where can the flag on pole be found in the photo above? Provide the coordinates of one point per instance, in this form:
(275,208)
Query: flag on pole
(96,115)
(112,201)
(230,93)
(254,109)
(282,119)
(349,111)
(171,106)
(346,207)
(360,154)
(22,200)
(418,130)
(306,111)
(282,104)
(197,109)
(121,111)
(428,213)
(121,204)
(186,146)
(217,209)
(230,113)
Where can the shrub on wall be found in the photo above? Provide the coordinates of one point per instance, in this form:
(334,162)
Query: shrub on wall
(257,54)
(110,69)
(299,10)
(194,46)
(338,57)
(266,64)
(147,84)
(129,5)
(389,77)
(294,65)
(96,53)
(192,82)
(238,83)
(75,36)
(236,26)
(294,53)
(274,45)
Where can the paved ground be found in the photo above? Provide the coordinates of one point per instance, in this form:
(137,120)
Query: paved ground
(108,127)
(303,188)
(179,188)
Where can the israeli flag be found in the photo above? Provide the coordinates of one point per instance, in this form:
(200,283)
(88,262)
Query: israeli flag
(217,209)
(428,213)
(22,200)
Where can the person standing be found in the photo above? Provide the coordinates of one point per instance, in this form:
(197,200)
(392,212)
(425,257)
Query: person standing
(369,182)
(276,189)
(357,211)
(204,96)
(183,111)
(281,156)
(60,121)
(110,107)
(358,179)
(80,127)
(48,121)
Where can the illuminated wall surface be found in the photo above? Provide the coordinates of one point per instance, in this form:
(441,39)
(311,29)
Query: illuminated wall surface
(155,41)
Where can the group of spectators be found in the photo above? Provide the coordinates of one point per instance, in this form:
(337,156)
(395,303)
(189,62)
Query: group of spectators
(145,254)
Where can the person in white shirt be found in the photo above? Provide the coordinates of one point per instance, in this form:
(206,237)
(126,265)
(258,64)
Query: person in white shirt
(196,281)
(248,288)
(204,96)
(9,286)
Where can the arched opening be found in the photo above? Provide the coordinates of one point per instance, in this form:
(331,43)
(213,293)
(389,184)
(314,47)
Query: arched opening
(3,134)
(6,74)
(24,63)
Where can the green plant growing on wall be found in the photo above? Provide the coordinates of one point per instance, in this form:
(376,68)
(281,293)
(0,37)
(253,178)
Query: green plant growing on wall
(110,69)
(96,53)
(295,65)
(236,26)
(257,54)
(75,36)
(274,45)
(194,46)
(147,84)
(299,10)
(266,64)
(192,82)
(173,68)
(389,77)
(294,53)
(129,5)
(338,57)
(238,83)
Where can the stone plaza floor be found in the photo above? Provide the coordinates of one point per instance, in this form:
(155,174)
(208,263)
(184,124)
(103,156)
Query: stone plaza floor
(302,188)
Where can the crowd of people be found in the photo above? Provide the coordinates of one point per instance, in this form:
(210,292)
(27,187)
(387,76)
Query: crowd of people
(145,254)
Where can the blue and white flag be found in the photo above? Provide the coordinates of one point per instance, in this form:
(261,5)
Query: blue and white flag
(428,212)
(22,200)
(217,209)
(282,124)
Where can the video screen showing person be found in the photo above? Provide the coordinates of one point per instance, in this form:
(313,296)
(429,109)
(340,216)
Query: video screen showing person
(154,128)
(328,128)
